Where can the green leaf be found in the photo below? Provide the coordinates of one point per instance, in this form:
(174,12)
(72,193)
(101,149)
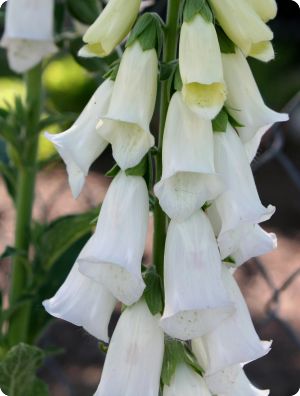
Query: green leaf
(59,13)
(60,235)
(18,371)
(220,122)
(174,355)
(149,31)
(194,7)
(206,206)
(85,11)
(113,171)
(229,260)
(153,292)
(226,45)
(8,252)
(9,176)
(191,361)
(140,169)
(113,71)
(167,70)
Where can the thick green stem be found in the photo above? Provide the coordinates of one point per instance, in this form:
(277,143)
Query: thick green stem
(170,53)
(25,197)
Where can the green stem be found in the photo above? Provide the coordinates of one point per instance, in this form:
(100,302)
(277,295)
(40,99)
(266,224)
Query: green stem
(25,197)
(170,53)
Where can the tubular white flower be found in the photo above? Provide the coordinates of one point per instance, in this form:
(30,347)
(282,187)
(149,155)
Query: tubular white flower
(201,68)
(186,382)
(135,355)
(241,23)
(110,28)
(126,124)
(113,255)
(266,9)
(234,340)
(240,203)
(233,381)
(80,145)
(28,34)
(189,178)
(245,103)
(195,298)
(263,51)
(83,302)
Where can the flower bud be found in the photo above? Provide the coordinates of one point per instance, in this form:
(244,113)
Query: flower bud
(239,204)
(114,253)
(241,23)
(189,178)
(81,145)
(245,103)
(28,34)
(110,28)
(186,382)
(126,124)
(234,340)
(135,355)
(201,67)
(195,298)
(266,9)
(83,302)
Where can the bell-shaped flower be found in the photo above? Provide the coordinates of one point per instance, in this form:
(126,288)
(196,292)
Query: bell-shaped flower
(114,253)
(135,355)
(241,23)
(232,381)
(195,298)
(234,340)
(126,124)
(263,51)
(245,104)
(110,28)
(186,382)
(239,203)
(245,242)
(188,178)
(28,33)
(83,302)
(81,145)
(266,9)
(201,67)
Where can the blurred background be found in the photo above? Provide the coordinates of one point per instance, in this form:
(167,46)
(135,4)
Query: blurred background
(271,284)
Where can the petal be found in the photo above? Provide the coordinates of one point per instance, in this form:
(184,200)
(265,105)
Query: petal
(135,355)
(114,253)
(189,178)
(195,299)
(83,302)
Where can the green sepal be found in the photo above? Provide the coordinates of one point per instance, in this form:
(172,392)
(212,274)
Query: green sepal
(206,206)
(113,70)
(229,260)
(233,121)
(85,11)
(140,169)
(177,79)
(113,171)
(195,7)
(167,70)
(220,122)
(226,45)
(149,31)
(153,293)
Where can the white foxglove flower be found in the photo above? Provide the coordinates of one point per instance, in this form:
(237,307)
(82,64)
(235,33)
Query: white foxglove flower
(245,104)
(83,302)
(110,28)
(186,382)
(239,204)
(266,9)
(201,68)
(126,124)
(247,241)
(28,34)
(263,52)
(234,340)
(114,253)
(135,355)
(195,298)
(232,381)
(81,145)
(241,23)
(189,178)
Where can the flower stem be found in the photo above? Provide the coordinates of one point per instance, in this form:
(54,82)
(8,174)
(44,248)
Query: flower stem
(25,197)
(170,53)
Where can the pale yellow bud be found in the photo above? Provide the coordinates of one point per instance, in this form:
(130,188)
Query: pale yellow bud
(110,28)
(266,9)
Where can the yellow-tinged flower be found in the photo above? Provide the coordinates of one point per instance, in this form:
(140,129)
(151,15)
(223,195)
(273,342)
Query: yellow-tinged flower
(110,28)
(201,67)
(266,9)
(242,24)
